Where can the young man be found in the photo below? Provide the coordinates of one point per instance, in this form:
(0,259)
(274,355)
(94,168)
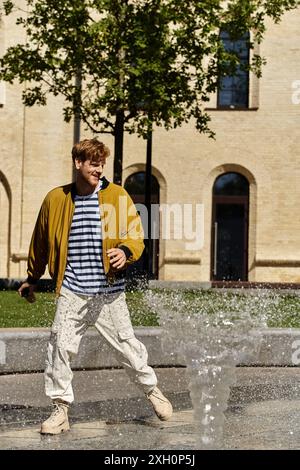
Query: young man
(87,233)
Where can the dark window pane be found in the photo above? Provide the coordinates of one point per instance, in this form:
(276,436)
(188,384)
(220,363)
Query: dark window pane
(231,184)
(135,184)
(147,265)
(227,83)
(225,99)
(230,241)
(237,84)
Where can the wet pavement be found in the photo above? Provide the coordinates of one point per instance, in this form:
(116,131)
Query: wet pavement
(111,413)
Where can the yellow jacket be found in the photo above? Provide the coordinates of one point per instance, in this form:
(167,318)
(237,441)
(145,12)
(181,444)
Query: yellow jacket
(121,228)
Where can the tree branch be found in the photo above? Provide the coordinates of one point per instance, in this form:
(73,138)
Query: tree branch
(85,119)
(130,116)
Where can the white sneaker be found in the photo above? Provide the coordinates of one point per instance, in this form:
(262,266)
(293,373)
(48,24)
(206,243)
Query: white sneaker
(161,404)
(58,420)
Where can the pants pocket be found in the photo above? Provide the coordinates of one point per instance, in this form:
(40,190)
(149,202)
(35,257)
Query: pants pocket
(126,333)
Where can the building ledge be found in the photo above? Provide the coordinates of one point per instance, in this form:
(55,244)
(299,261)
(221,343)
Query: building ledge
(284,263)
(182,260)
(255,285)
(232,109)
(17,257)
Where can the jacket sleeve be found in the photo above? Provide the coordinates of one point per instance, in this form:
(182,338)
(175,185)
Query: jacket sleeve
(132,240)
(38,249)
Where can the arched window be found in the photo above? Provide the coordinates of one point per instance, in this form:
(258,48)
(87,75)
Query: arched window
(5,226)
(233,90)
(230,222)
(231,184)
(135,186)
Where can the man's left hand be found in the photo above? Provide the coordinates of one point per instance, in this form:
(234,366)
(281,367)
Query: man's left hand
(117,257)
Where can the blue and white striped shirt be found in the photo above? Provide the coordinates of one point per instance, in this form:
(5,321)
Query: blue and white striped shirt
(84,271)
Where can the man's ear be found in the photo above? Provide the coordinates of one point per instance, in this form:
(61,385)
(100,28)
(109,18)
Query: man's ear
(77,163)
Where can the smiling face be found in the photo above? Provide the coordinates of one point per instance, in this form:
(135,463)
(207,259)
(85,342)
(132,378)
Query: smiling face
(89,157)
(88,174)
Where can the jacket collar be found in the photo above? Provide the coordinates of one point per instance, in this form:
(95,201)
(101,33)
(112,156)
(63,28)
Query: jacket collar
(105,184)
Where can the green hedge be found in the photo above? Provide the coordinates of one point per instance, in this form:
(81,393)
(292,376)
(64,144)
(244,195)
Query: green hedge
(277,308)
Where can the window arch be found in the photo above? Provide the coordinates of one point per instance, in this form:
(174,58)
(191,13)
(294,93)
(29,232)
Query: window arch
(230,226)
(233,91)
(231,184)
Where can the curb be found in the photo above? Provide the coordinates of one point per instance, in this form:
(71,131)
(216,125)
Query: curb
(24,349)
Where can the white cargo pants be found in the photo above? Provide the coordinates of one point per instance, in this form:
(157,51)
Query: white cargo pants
(109,313)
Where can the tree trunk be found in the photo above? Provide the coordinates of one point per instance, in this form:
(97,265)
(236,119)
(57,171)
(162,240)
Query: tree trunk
(119,140)
(77,115)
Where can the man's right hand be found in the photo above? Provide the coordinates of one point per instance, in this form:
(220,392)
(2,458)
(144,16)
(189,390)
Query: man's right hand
(26,290)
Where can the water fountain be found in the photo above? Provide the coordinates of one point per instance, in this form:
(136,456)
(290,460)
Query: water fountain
(211,345)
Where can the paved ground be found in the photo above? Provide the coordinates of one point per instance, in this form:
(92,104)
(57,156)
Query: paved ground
(110,413)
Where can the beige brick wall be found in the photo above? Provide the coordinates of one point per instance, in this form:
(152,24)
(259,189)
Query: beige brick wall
(261,144)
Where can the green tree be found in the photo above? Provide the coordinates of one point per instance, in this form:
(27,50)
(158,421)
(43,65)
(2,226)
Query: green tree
(137,63)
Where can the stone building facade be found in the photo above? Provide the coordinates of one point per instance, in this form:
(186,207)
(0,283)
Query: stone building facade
(249,219)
